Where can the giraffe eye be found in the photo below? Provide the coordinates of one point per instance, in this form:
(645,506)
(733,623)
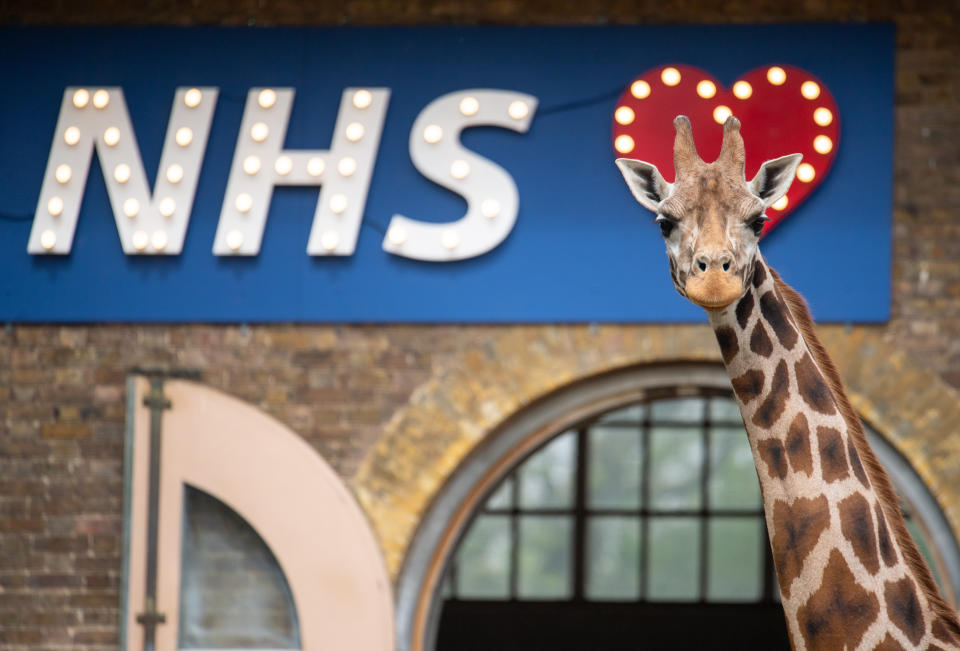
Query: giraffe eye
(756,224)
(667,224)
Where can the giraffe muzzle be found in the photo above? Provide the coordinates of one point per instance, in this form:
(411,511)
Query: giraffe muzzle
(715,289)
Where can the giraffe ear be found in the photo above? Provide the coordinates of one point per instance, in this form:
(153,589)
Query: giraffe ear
(645,182)
(774,178)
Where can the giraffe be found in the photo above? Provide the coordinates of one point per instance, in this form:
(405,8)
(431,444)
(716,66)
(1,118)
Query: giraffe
(850,576)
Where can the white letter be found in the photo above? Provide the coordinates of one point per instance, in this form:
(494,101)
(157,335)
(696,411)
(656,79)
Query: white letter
(260,163)
(93,118)
(491,193)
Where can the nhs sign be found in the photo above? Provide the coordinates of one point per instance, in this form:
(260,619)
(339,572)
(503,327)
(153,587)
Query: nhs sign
(405,174)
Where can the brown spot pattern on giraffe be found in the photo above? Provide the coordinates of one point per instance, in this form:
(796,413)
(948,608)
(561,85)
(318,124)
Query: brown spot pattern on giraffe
(797,529)
(745,309)
(941,632)
(759,275)
(774,456)
(814,390)
(772,406)
(727,339)
(760,342)
(856,464)
(887,552)
(798,445)
(774,312)
(840,611)
(889,644)
(903,608)
(833,459)
(856,523)
(748,386)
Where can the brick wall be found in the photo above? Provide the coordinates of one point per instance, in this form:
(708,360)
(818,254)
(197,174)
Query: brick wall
(62,388)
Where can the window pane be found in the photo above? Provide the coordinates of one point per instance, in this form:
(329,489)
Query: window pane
(737,548)
(733,475)
(502,498)
(483,562)
(546,478)
(632,414)
(545,557)
(684,410)
(725,410)
(613,476)
(674,561)
(613,558)
(676,459)
(232,591)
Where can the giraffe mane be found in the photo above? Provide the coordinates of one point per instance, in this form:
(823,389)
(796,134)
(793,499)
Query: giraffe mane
(875,471)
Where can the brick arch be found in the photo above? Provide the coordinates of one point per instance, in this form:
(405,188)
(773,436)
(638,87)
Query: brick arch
(476,392)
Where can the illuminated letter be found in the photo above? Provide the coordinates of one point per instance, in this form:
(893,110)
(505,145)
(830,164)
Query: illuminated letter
(491,193)
(98,119)
(260,163)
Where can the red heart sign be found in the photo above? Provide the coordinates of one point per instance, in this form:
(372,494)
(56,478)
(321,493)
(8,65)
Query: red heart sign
(783,110)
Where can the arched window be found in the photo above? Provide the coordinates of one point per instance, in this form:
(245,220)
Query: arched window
(629,525)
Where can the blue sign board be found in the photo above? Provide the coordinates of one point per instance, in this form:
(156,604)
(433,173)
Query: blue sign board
(581,249)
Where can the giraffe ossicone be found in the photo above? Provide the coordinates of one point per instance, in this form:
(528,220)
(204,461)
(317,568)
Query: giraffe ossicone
(850,575)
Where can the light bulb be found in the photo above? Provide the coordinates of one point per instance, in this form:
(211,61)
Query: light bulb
(354,131)
(259,131)
(131,207)
(121,173)
(822,144)
(140,240)
(518,110)
(71,136)
(810,89)
(806,172)
(338,203)
(184,136)
(640,89)
(48,239)
(234,240)
(315,166)
(460,169)
(469,106)
(251,165)
(721,113)
(167,206)
(781,203)
(283,165)
(823,116)
(670,76)
(55,206)
(623,144)
(175,173)
(433,133)
(776,75)
(706,89)
(101,98)
(742,90)
(81,98)
(397,234)
(63,173)
(450,239)
(159,240)
(192,97)
(267,98)
(111,136)
(243,202)
(624,115)
(329,240)
(362,98)
(490,208)
(347,166)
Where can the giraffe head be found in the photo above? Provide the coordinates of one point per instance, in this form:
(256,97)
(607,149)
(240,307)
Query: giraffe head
(710,217)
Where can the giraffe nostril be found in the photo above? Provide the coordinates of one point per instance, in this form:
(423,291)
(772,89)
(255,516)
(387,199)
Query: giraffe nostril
(701,265)
(726,266)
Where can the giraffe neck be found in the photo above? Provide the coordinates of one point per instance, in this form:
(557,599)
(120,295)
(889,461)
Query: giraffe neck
(849,575)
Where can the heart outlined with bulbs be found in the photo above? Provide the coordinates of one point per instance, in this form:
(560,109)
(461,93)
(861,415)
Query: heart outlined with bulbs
(782,109)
